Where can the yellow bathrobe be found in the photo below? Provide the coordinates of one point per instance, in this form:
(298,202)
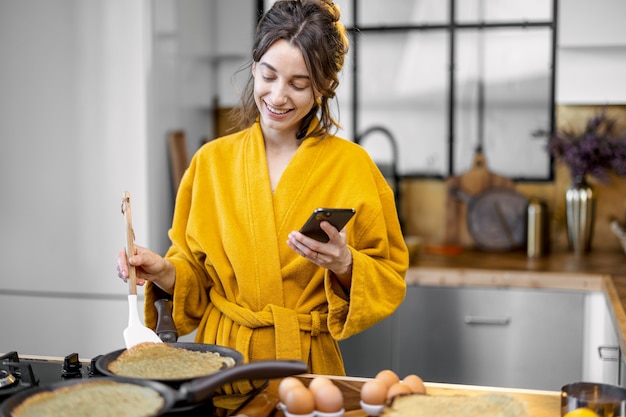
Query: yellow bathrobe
(239,283)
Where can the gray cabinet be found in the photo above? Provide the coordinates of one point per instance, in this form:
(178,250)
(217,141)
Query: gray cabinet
(370,351)
(522,338)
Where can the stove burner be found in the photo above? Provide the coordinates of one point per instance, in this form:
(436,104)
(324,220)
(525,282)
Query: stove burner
(6,379)
(15,376)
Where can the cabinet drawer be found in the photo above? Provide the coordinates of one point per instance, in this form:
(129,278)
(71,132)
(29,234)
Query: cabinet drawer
(485,336)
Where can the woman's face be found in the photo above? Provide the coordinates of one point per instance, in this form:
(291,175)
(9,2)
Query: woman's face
(282,88)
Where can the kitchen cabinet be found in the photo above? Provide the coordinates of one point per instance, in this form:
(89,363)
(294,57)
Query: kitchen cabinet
(601,357)
(596,54)
(521,338)
(370,351)
(510,337)
(603,23)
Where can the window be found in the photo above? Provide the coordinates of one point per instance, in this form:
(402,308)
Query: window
(444,78)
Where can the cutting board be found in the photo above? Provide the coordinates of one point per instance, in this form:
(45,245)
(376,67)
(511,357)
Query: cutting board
(539,403)
(477,179)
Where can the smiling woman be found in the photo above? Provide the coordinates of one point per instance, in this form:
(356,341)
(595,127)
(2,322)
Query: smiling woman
(238,268)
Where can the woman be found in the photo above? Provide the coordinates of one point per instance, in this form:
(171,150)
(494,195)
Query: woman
(238,269)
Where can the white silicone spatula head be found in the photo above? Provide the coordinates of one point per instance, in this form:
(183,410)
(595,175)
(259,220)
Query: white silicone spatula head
(136,332)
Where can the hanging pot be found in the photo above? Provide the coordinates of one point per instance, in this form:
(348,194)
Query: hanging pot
(580,215)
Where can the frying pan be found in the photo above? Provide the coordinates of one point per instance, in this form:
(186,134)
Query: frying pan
(194,391)
(103,362)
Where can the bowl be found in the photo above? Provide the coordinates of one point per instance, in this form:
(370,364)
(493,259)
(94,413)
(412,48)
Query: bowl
(604,399)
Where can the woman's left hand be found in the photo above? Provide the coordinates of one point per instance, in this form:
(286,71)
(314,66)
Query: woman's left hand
(333,255)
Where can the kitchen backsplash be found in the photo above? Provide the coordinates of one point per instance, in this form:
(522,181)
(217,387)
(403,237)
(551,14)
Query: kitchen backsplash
(424,201)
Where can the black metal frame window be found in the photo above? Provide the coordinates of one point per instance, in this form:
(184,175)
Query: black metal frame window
(438,80)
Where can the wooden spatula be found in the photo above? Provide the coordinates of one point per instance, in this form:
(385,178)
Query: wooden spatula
(136,332)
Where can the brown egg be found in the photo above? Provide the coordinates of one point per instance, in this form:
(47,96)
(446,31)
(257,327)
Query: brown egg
(286,384)
(388,377)
(328,398)
(374,392)
(415,383)
(318,382)
(299,400)
(399,388)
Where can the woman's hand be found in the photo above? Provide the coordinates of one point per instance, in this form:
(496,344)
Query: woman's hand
(149,266)
(333,255)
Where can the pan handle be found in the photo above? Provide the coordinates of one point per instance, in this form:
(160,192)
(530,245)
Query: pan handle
(165,328)
(201,389)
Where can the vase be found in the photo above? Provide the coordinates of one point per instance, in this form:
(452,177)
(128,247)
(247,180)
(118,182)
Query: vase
(580,214)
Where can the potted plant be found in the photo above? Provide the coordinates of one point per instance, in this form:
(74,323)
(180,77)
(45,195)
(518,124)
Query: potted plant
(596,151)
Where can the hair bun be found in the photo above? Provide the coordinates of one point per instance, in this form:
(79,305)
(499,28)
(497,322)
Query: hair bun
(329,5)
(334,9)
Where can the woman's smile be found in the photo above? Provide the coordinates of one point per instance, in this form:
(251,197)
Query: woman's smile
(275,110)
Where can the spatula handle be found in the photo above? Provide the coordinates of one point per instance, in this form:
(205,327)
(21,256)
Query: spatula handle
(130,243)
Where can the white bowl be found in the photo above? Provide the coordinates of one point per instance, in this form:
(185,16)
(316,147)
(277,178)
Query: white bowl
(371,410)
(335,414)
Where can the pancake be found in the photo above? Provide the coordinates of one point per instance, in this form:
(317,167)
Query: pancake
(160,361)
(96,398)
(492,405)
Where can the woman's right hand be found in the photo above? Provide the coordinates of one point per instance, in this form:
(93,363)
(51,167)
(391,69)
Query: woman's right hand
(149,266)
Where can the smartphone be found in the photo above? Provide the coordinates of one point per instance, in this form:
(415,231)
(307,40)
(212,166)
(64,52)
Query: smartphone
(338,217)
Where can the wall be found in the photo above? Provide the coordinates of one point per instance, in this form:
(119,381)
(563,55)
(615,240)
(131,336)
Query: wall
(73,129)
(89,92)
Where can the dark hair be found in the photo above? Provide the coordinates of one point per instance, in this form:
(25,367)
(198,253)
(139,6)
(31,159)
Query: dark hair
(314,27)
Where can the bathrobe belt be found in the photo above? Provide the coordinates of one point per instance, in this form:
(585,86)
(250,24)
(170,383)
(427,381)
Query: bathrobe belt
(287,324)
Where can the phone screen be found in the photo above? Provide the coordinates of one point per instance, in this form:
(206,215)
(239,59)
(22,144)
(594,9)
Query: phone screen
(338,217)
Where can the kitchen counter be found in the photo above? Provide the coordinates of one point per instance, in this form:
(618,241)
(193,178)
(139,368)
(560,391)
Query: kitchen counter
(597,271)
(539,403)
(557,271)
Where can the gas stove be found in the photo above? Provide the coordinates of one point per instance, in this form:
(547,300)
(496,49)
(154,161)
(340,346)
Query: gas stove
(19,373)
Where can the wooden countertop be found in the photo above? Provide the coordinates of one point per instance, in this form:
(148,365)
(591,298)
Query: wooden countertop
(539,403)
(563,271)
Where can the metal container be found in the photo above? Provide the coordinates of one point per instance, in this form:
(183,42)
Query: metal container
(537,238)
(580,213)
(603,399)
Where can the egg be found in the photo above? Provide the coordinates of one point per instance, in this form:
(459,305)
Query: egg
(286,384)
(299,400)
(318,382)
(374,392)
(388,377)
(328,398)
(415,383)
(399,388)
